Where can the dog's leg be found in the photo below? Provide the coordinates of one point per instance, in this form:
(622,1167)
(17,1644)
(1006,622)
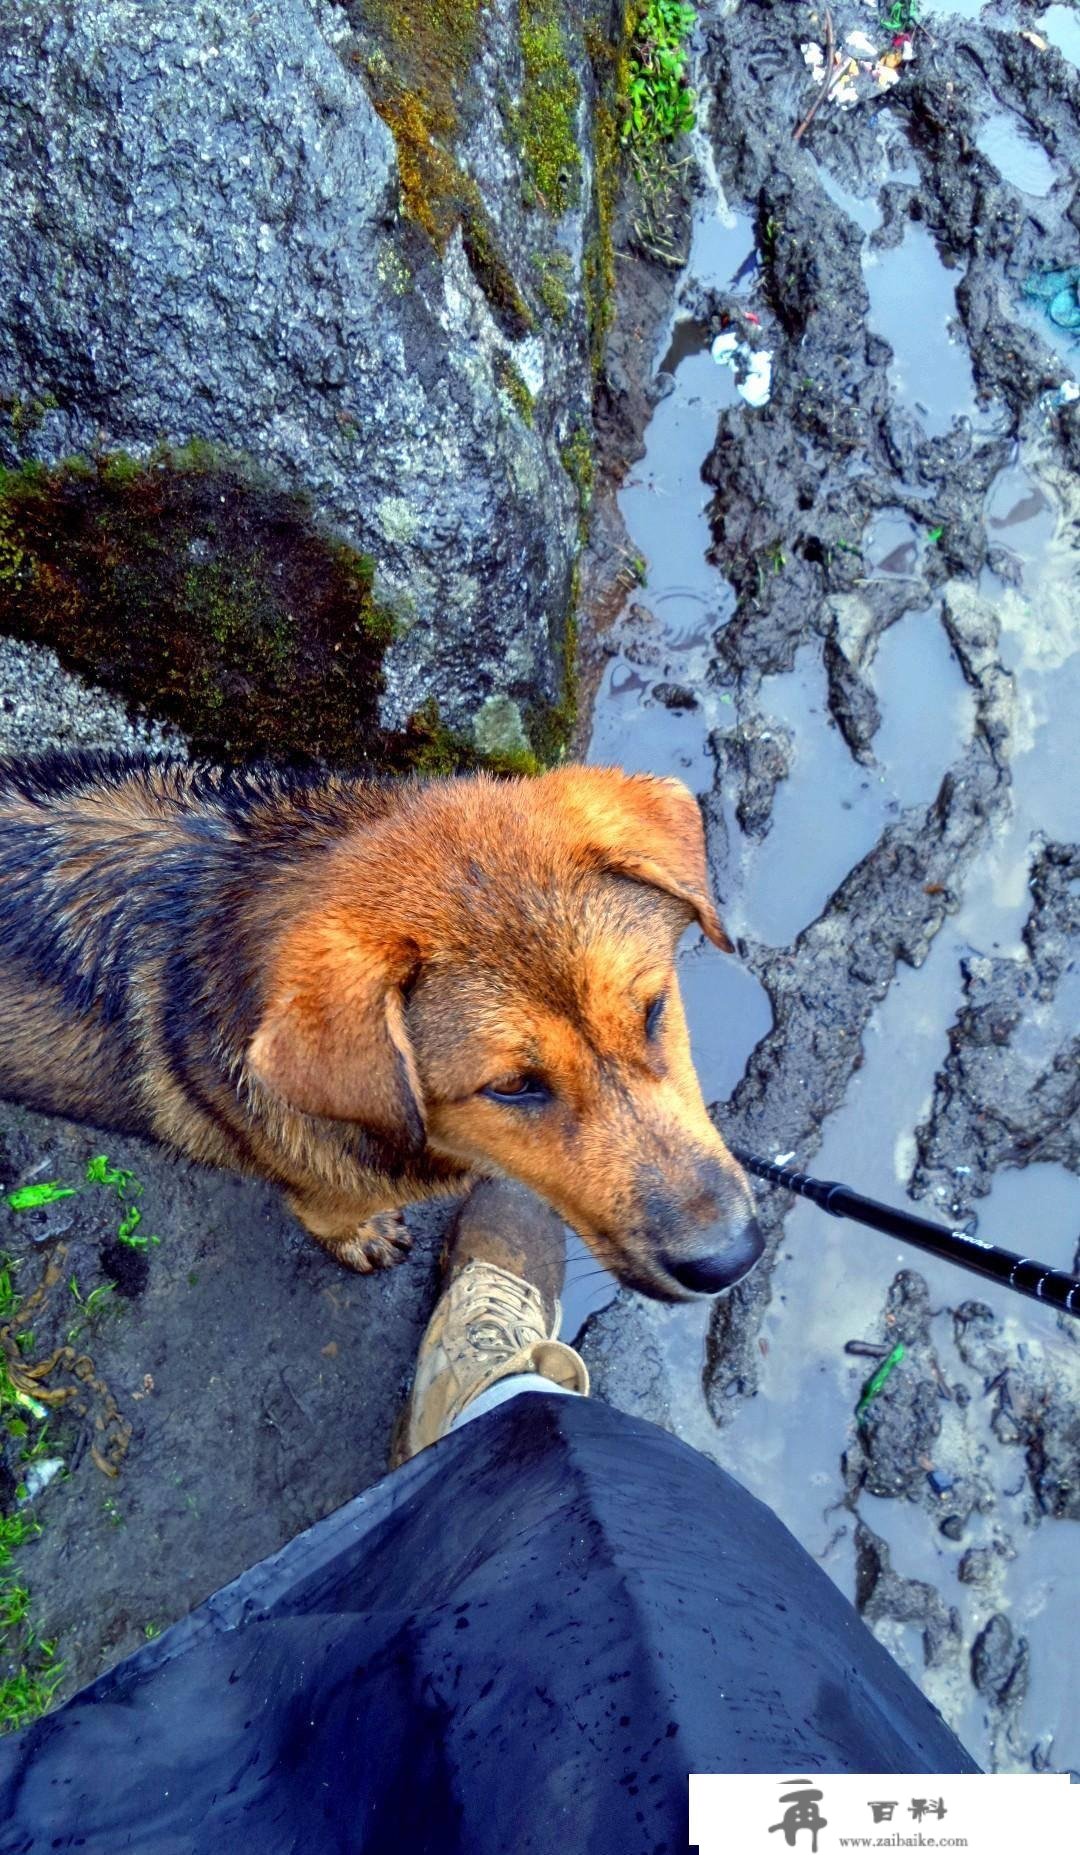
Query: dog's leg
(362,1242)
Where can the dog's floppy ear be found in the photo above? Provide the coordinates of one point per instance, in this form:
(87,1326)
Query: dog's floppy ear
(332,1040)
(647,828)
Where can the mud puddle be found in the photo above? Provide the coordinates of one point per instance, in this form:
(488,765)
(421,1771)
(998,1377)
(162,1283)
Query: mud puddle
(1061,25)
(1006,141)
(975,1539)
(663,643)
(913,305)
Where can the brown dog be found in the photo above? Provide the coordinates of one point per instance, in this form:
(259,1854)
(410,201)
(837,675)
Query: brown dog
(371,992)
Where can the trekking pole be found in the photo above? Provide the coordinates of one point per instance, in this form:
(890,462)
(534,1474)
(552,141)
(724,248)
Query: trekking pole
(1022,1273)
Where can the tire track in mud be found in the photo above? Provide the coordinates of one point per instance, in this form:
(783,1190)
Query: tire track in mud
(882,213)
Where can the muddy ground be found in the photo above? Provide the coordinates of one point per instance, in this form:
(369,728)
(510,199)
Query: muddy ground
(878,719)
(860,639)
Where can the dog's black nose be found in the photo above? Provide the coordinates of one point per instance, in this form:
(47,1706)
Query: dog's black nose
(708,1274)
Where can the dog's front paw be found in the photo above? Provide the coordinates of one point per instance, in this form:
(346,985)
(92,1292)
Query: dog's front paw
(379,1243)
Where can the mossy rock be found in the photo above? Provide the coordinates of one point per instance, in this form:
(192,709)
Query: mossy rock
(205,596)
(415,57)
(547,120)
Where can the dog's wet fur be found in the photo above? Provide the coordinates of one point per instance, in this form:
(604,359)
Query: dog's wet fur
(373,992)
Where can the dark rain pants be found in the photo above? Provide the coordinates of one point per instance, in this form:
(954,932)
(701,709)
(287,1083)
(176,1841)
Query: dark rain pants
(524,1640)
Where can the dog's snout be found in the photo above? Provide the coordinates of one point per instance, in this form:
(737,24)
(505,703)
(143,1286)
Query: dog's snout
(708,1239)
(709,1270)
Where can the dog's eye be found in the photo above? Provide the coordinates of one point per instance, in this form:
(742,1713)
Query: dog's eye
(653,1015)
(518,1090)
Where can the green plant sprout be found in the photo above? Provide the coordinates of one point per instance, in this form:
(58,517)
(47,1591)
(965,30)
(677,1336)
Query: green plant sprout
(9,1294)
(29,1691)
(32,1197)
(15,1530)
(99,1171)
(35,1674)
(659,102)
(96,1302)
(877,1378)
(901,16)
(126,1233)
(14,1604)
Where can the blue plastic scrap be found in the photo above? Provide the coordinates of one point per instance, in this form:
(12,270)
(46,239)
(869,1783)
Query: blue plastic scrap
(1059,293)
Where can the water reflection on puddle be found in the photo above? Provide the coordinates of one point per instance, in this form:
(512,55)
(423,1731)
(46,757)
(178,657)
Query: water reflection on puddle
(724,255)
(1040,644)
(664,499)
(831,1279)
(1021,517)
(1061,25)
(913,306)
(891,546)
(863,209)
(663,503)
(831,802)
(1008,143)
(826,801)
(953,9)
(638,733)
(927,709)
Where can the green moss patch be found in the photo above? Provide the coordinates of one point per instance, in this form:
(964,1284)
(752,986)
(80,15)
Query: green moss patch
(551,729)
(515,387)
(430,748)
(203,596)
(554,273)
(416,56)
(610,62)
(547,118)
(577,459)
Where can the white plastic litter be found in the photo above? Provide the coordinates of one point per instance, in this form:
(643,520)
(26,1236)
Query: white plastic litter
(860,69)
(39,1475)
(752,366)
(756,389)
(725,348)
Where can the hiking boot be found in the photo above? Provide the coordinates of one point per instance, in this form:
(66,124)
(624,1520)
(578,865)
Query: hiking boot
(498,1313)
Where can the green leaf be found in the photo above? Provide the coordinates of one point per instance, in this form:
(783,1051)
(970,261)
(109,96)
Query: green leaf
(878,1378)
(131,1220)
(30,1197)
(121,1178)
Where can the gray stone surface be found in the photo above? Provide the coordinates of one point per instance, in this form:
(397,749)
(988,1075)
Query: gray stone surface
(201,236)
(41,706)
